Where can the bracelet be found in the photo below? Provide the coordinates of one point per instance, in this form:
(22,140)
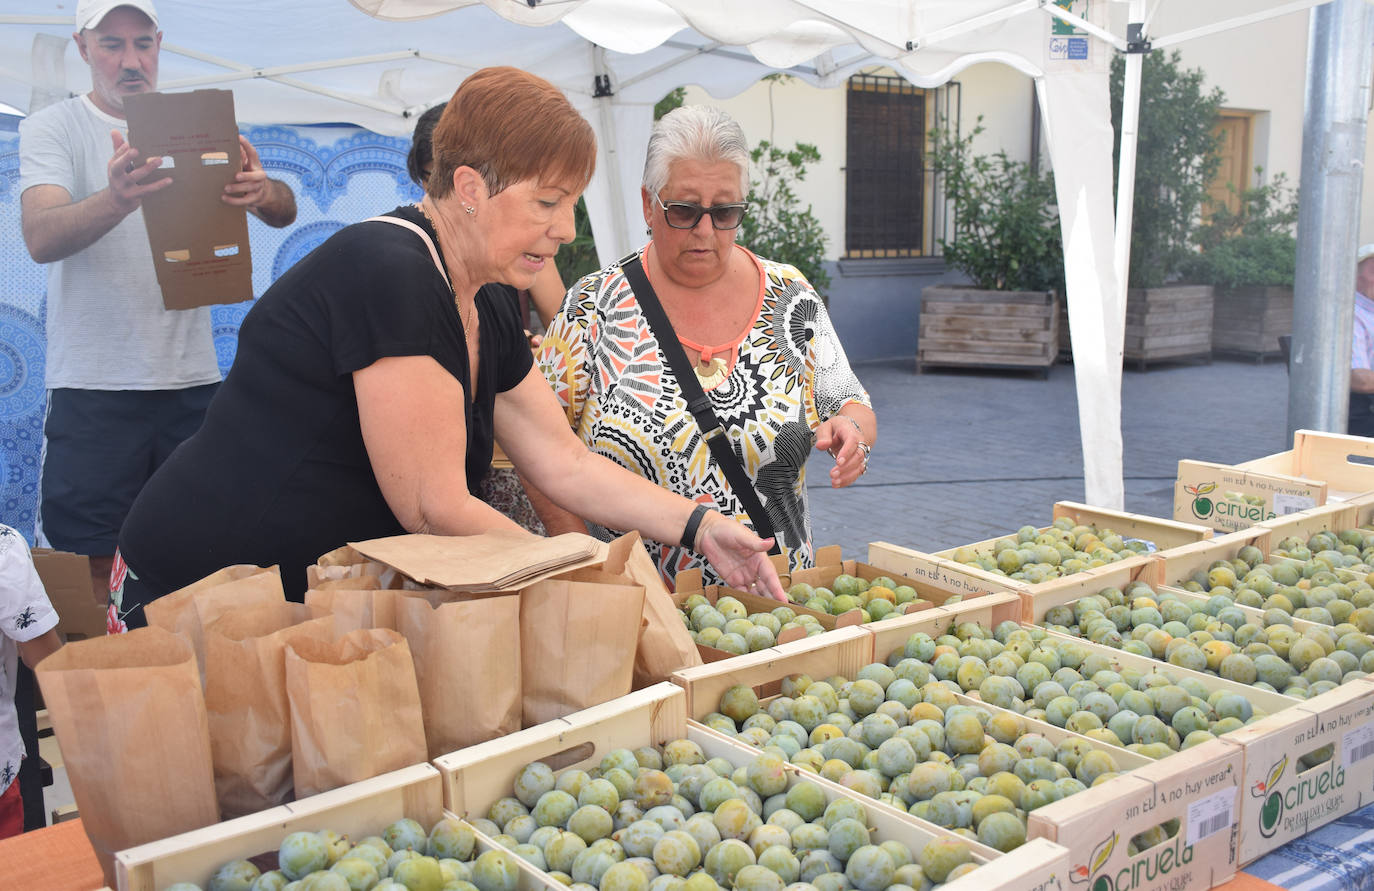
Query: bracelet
(689,532)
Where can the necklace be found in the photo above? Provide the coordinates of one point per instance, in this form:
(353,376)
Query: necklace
(710,369)
(469,322)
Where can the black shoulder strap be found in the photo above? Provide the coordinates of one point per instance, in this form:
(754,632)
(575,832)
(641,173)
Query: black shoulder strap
(698,403)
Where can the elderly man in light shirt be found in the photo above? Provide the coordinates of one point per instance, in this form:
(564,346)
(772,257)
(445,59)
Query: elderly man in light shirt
(1362,346)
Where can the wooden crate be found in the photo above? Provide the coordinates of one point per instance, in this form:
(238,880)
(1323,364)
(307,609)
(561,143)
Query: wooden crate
(1178,564)
(966,327)
(1281,801)
(1164,534)
(1324,457)
(1168,323)
(478,776)
(357,810)
(842,652)
(829,564)
(989,611)
(1142,567)
(1332,517)
(1206,492)
(1200,787)
(1248,321)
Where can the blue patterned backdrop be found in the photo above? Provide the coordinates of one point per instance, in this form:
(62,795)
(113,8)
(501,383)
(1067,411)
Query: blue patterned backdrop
(340,175)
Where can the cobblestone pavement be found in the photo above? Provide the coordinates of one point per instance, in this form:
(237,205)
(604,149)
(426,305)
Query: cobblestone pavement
(964,456)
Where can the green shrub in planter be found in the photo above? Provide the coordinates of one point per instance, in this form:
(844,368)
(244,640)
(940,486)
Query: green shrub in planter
(1176,160)
(1006,220)
(1254,245)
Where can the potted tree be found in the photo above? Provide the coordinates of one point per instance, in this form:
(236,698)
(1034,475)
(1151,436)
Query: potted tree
(1249,256)
(1006,240)
(1168,317)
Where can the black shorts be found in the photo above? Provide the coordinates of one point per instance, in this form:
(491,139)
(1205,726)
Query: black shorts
(100,447)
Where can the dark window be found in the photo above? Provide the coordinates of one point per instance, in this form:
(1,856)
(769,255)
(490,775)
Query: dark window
(884,172)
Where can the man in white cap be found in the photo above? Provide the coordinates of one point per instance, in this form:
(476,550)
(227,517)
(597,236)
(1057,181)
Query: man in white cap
(1361,415)
(127,379)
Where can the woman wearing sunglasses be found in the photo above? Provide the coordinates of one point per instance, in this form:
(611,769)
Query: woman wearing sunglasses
(754,334)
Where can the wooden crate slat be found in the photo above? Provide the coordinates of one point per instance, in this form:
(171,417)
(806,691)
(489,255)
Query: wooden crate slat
(358,809)
(475,777)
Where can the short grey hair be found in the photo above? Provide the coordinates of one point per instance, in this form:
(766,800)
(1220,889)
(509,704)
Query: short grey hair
(695,133)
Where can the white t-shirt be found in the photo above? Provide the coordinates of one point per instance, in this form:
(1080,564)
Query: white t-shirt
(25,613)
(107,329)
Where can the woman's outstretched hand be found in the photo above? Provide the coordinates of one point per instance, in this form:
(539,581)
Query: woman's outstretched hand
(739,556)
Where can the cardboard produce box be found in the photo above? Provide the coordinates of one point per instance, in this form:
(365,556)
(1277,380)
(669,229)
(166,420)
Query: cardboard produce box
(1317,470)
(199,243)
(67,579)
(1283,798)
(1199,788)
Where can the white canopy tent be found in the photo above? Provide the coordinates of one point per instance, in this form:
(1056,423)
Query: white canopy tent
(317,61)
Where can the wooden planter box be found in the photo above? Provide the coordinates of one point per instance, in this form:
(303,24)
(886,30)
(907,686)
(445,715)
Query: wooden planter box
(1168,323)
(987,329)
(1249,321)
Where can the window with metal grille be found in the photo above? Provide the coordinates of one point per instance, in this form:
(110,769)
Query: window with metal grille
(885,200)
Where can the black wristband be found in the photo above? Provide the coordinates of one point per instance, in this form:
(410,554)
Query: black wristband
(689,532)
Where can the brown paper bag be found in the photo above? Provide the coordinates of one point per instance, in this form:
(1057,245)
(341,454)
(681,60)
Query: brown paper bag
(355,709)
(577,644)
(189,610)
(130,717)
(665,644)
(467,663)
(348,563)
(354,603)
(245,698)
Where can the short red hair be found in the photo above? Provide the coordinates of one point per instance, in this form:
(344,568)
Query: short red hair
(510,126)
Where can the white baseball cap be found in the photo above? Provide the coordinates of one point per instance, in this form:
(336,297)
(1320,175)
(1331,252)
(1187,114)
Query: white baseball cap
(90,13)
(1364,253)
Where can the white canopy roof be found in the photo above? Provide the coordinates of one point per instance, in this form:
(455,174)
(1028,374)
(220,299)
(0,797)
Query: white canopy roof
(378,63)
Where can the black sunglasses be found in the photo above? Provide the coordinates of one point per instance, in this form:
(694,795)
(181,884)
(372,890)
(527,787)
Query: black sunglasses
(681,215)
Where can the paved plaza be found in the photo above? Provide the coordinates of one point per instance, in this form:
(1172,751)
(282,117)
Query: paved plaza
(964,456)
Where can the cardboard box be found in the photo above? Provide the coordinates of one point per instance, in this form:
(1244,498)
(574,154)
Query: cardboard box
(1199,787)
(1228,498)
(1282,800)
(67,579)
(199,243)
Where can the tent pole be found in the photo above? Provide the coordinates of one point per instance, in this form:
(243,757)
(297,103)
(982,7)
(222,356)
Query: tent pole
(1333,145)
(1137,46)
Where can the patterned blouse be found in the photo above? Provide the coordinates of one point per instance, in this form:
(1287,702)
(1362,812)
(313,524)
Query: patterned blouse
(786,375)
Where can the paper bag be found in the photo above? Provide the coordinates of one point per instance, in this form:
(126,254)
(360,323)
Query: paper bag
(189,610)
(577,645)
(355,709)
(467,663)
(354,603)
(348,563)
(665,644)
(245,698)
(130,717)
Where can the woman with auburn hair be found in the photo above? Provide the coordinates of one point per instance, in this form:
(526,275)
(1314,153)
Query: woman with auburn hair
(373,376)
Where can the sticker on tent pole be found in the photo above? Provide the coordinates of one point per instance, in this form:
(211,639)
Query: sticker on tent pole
(1069,49)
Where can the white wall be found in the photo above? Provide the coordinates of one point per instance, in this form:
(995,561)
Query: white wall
(790,111)
(1261,68)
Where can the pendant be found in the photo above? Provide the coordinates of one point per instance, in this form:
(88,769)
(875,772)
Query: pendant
(710,373)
